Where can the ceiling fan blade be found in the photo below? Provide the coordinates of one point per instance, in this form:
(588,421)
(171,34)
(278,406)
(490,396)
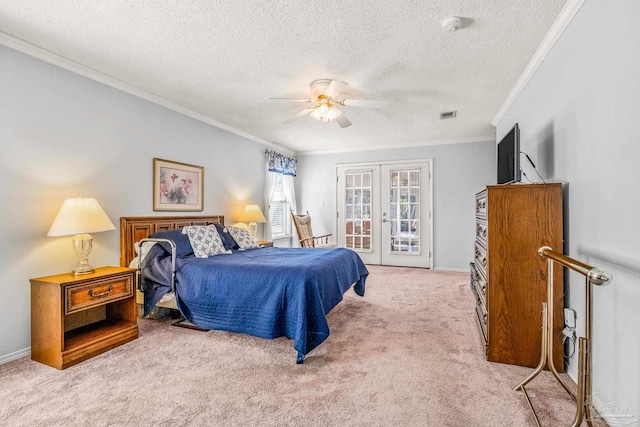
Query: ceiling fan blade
(364,103)
(334,88)
(343,121)
(298,115)
(289,99)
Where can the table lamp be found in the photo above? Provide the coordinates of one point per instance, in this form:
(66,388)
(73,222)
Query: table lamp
(252,214)
(78,217)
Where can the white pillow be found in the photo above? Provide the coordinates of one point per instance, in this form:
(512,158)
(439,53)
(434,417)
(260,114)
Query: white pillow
(145,247)
(205,240)
(243,238)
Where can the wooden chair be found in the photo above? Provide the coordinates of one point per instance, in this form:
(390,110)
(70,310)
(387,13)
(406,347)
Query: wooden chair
(305,234)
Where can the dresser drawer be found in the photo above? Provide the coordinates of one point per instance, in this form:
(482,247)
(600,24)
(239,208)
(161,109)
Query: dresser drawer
(481,231)
(481,258)
(481,204)
(96,293)
(481,317)
(478,298)
(481,288)
(478,290)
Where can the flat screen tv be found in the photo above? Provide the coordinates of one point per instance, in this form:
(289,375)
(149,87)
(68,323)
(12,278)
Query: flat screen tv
(509,157)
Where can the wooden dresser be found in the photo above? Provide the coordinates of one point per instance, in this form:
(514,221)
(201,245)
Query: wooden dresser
(509,277)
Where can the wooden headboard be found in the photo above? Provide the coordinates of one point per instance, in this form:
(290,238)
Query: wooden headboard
(134,228)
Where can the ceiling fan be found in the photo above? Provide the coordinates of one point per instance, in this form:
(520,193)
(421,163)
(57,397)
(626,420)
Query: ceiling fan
(325,101)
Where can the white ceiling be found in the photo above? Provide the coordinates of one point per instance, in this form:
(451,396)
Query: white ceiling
(219,59)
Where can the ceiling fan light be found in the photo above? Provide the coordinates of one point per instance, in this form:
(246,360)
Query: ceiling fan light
(325,113)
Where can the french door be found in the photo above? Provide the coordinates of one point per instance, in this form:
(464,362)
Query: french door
(384,212)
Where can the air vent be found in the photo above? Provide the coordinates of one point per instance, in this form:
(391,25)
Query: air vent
(448,115)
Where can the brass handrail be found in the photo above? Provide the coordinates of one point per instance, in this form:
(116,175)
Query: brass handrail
(598,276)
(594,276)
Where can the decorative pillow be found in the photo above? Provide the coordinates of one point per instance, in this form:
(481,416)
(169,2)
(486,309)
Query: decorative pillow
(205,240)
(183,245)
(227,238)
(243,238)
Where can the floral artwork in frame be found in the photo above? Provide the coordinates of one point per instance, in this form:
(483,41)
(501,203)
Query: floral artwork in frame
(177,186)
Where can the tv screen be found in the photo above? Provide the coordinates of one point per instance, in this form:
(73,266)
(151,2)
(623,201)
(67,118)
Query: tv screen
(509,157)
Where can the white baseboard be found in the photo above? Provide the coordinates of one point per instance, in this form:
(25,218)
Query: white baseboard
(457,270)
(15,355)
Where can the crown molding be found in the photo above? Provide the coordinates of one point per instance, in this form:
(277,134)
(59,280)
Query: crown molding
(92,74)
(401,145)
(559,25)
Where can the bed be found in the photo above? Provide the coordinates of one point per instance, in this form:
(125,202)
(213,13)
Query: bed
(264,292)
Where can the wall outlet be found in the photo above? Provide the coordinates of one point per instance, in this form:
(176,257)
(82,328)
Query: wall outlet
(569,318)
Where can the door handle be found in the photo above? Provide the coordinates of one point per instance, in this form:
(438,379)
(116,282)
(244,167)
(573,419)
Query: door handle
(384,220)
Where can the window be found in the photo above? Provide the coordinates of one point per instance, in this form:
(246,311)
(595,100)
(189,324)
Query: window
(357,202)
(279,216)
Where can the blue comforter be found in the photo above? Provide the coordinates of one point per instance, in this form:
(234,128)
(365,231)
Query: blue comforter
(266,292)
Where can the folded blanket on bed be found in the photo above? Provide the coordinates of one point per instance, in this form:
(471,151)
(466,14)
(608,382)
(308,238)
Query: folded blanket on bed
(156,275)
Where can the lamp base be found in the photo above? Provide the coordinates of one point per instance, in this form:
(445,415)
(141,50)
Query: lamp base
(82,245)
(80,270)
(253,227)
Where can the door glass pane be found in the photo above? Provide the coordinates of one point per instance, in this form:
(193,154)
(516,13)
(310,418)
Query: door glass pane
(394,179)
(404,211)
(414,194)
(414,179)
(394,195)
(358,209)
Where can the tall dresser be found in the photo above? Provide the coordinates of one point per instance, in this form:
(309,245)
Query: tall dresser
(508,278)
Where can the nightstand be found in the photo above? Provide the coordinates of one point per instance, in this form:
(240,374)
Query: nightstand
(74,318)
(265,243)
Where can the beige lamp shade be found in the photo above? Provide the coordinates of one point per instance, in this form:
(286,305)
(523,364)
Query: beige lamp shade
(252,213)
(80,216)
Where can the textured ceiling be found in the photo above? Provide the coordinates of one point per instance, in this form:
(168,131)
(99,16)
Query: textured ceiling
(221,59)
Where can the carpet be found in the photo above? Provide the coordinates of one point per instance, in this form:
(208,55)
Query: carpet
(407,354)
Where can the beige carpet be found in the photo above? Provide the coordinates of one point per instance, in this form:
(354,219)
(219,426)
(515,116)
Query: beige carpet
(407,354)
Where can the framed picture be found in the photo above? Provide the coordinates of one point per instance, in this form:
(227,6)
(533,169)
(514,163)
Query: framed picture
(177,186)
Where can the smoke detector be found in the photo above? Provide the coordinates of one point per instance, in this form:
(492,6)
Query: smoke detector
(451,23)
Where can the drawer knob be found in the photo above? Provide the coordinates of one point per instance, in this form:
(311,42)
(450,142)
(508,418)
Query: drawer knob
(101,294)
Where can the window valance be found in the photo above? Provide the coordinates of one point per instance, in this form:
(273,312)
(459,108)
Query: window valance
(280,163)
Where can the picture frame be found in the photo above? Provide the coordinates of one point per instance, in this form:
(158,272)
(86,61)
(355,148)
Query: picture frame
(177,186)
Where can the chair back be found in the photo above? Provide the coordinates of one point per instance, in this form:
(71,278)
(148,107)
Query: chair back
(303,227)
